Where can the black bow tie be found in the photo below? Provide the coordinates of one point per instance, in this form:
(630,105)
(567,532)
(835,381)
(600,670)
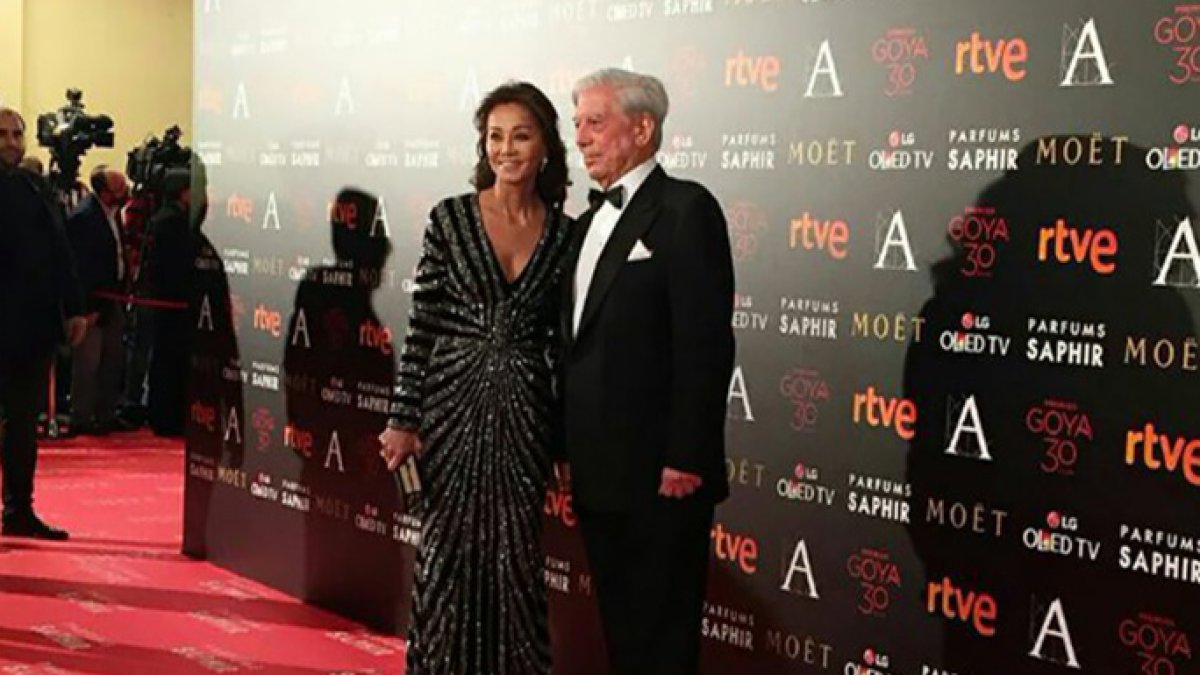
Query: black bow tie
(614,196)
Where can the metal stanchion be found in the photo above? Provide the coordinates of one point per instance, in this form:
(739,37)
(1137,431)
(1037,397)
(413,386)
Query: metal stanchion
(52,430)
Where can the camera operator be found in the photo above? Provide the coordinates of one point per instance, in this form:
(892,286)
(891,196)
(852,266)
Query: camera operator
(37,275)
(95,231)
(171,263)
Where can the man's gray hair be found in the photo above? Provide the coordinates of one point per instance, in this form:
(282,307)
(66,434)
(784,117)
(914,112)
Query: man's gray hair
(6,111)
(637,94)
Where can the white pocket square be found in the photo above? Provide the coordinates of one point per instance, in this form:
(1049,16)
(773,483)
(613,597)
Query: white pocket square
(639,252)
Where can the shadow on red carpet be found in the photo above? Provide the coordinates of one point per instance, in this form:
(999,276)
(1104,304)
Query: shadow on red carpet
(119,599)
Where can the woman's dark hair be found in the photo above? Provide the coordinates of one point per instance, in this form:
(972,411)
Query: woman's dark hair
(552,180)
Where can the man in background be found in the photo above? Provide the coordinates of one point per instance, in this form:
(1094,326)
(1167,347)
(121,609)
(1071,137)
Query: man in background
(40,305)
(95,231)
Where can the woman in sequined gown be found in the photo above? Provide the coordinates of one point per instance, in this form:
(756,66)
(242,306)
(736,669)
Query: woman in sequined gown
(474,400)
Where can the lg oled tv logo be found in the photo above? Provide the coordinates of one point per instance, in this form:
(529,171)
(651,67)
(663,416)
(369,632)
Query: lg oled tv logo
(1061,537)
(805,486)
(980,233)
(874,662)
(974,335)
(901,152)
(901,51)
(1179,156)
(744,315)
(1179,32)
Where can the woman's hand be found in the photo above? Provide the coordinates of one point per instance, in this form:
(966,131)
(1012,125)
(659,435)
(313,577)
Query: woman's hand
(398,446)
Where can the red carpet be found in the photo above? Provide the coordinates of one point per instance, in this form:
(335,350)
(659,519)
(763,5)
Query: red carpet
(119,599)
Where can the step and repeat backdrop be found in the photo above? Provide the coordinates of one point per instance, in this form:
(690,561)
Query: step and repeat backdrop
(962,428)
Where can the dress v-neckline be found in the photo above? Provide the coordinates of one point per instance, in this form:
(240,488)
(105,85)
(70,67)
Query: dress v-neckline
(487,242)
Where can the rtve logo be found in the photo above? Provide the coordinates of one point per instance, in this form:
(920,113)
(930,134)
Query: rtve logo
(268,320)
(753,71)
(375,336)
(831,236)
(558,507)
(976,609)
(1072,245)
(1160,452)
(738,549)
(900,414)
(981,56)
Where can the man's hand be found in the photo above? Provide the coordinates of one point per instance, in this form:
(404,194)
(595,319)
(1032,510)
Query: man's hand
(562,473)
(398,446)
(678,484)
(77,327)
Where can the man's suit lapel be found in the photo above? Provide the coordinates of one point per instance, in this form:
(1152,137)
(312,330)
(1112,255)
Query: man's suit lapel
(636,218)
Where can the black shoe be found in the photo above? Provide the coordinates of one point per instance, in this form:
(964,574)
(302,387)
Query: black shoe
(32,527)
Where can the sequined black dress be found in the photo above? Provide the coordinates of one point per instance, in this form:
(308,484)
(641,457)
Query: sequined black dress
(475,378)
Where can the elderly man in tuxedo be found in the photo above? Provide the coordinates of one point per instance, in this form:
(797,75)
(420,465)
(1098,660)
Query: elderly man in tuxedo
(647,361)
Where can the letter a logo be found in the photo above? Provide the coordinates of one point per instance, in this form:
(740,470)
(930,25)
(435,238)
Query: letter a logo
(335,450)
(241,107)
(1058,630)
(737,389)
(206,317)
(381,218)
(1088,50)
(1181,249)
(800,555)
(345,100)
(271,217)
(824,67)
(896,235)
(968,420)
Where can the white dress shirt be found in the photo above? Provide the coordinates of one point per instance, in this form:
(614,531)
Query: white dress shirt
(604,221)
(112,214)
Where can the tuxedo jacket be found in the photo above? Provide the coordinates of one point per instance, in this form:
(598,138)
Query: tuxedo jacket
(645,377)
(95,250)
